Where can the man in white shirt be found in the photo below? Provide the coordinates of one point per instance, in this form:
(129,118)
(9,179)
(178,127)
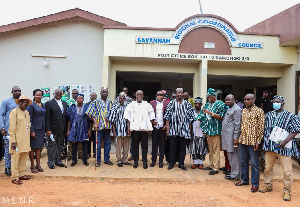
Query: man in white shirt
(159,128)
(139,115)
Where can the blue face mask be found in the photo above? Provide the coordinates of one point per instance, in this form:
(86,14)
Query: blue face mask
(276,106)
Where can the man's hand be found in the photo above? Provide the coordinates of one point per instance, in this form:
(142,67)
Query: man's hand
(14,145)
(168,131)
(68,132)
(48,133)
(32,134)
(154,122)
(282,144)
(89,133)
(128,132)
(207,111)
(96,127)
(256,147)
(3,132)
(235,142)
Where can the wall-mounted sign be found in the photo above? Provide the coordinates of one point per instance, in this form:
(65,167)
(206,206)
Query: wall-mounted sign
(209,45)
(191,24)
(203,57)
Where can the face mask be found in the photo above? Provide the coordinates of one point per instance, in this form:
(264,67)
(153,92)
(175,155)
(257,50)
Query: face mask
(276,106)
(227,107)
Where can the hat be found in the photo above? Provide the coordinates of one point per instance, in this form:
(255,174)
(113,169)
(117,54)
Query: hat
(278,97)
(198,99)
(211,92)
(23,97)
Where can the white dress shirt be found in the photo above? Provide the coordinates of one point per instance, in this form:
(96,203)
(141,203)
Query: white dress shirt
(159,118)
(59,102)
(139,116)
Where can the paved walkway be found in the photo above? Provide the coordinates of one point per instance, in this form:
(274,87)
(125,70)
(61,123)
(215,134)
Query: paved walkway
(128,172)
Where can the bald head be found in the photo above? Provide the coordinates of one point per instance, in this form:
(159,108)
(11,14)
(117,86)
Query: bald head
(229,100)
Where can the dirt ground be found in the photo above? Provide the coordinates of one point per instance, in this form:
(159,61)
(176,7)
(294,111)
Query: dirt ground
(59,191)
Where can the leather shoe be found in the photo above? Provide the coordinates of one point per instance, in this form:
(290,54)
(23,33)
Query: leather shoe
(161,165)
(61,165)
(229,178)
(152,164)
(17,182)
(207,168)
(109,162)
(86,163)
(170,167)
(120,165)
(52,167)
(73,164)
(135,165)
(98,164)
(194,166)
(127,163)
(201,167)
(254,189)
(182,167)
(130,158)
(25,177)
(213,172)
(241,183)
(7,171)
(145,165)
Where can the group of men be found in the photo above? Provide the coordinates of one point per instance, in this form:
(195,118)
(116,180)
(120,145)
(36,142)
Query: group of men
(239,132)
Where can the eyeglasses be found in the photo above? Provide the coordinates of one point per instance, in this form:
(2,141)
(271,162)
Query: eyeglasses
(16,90)
(74,93)
(24,101)
(159,94)
(248,99)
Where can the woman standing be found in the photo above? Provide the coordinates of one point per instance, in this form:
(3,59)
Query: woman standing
(198,144)
(37,113)
(78,127)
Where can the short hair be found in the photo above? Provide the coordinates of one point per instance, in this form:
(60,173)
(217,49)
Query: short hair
(179,89)
(93,93)
(104,88)
(125,87)
(139,90)
(80,94)
(14,87)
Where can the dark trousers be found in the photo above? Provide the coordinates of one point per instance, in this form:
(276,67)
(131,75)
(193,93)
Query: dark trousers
(54,149)
(247,152)
(158,140)
(177,143)
(92,139)
(84,151)
(137,137)
(227,164)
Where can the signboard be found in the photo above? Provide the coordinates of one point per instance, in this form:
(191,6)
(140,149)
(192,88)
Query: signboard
(191,24)
(209,45)
(203,57)
(46,95)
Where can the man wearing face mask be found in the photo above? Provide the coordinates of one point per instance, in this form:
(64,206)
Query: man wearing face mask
(6,107)
(280,130)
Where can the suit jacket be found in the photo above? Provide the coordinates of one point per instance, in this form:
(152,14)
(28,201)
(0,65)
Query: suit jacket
(231,127)
(56,121)
(37,118)
(165,103)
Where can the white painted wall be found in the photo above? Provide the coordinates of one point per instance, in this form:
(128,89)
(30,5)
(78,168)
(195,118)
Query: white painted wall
(81,42)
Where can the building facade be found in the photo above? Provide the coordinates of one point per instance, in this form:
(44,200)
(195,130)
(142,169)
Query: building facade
(201,51)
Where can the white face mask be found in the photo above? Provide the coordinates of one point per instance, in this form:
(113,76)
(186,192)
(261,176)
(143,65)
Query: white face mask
(276,106)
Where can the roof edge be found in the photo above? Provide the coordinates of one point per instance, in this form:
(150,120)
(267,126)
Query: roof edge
(58,17)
